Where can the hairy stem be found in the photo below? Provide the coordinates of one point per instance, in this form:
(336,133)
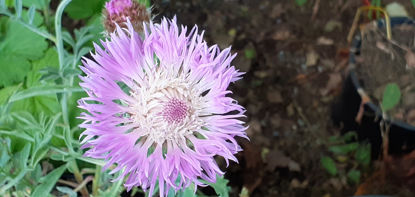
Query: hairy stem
(79,178)
(95,183)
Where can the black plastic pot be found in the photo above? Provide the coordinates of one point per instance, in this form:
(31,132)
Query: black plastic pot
(401,135)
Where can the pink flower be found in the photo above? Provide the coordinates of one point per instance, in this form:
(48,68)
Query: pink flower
(115,7)
(159,108)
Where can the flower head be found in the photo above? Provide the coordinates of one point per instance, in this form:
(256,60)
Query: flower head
(117,12)
(115,7)
(158,107)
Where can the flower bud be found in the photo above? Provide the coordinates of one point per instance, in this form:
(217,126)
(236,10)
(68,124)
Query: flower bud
(117,12)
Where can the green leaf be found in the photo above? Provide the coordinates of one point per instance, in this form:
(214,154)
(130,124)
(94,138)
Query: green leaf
(47,104)
(13,69)
(49,181)
(329,165)
(188,192)
(43,90)
(300,2)
(344,149)
(4,151)
(18,47)
(6,92)
(39,4)
(23,156)
(250,53)
(22,42)
(354,176)
(81,9)
(221,186)
(363,154)
(351,135)
(67,190)
(19,134)
(391,96)
(37,19)
(50,60)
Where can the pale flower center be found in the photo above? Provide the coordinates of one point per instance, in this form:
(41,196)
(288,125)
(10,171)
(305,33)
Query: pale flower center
(174,111)
(167,108)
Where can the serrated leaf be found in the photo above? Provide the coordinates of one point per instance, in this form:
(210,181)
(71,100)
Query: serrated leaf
(13,69)
(344,149)
(354,176)
(49,181)
(188,192)
(363,155)
(391,96)
(329,165)
(19,46)
(221,186)
(17,41)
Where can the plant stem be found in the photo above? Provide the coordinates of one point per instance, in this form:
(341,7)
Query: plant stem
(95,183)
(78,177)
(115,189)
(58,32)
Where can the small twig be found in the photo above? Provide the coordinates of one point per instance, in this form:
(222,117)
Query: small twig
(79,178)
(384,129)
(69,183)
(82,185)
(315,10)
(87,171)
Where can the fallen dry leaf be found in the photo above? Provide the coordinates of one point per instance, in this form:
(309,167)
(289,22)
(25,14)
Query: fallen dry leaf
(324,41)
(333,83)
(277,159)
(311,58)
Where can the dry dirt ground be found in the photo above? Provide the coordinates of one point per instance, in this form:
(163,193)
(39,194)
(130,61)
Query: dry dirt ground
(295,59)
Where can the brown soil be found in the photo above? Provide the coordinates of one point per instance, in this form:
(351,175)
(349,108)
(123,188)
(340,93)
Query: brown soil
(384,61)
(295,63)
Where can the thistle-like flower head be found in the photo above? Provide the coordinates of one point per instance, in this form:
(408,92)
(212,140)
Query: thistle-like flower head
(158,107)
(117,12)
